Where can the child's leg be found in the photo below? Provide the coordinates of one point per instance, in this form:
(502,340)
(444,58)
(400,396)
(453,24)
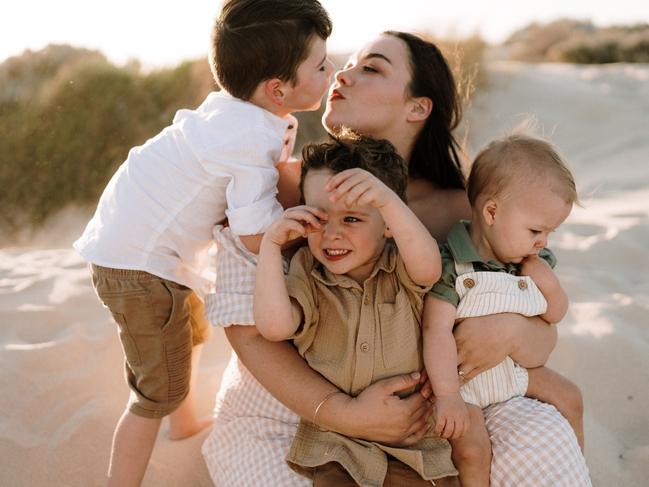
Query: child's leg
(184,422)
(472,453)
(548,386)
(132,446)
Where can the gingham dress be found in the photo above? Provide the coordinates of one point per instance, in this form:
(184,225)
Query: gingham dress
(532,444)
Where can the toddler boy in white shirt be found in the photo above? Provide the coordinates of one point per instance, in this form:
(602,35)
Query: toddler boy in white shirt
(149,237)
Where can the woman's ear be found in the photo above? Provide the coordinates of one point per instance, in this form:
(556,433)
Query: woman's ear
(419,109)
(387,233)
(489,210)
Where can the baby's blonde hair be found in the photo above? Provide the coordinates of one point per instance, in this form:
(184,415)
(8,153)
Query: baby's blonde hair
(519,160)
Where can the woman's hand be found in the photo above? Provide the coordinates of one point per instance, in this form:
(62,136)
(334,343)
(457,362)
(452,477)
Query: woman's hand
(482,343)
(379,414)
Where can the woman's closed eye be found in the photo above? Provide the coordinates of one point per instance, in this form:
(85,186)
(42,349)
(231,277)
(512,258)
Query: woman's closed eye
(370,69)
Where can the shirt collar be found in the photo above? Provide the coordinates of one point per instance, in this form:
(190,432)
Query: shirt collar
(463,250)
(387,262)
(282,125)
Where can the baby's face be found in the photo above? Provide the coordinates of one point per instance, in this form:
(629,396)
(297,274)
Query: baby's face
(523,220)
(351,239)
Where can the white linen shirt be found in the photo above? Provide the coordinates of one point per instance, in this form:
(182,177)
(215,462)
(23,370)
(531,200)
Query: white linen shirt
(158,211)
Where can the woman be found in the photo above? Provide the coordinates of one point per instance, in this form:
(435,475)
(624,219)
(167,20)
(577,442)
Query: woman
(399,88)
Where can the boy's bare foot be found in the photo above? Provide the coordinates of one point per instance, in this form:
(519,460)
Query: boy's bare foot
(180,432)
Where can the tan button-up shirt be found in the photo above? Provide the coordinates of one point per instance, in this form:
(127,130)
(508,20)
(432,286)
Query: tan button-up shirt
(354,336)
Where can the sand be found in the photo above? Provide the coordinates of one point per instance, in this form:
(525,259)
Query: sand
(61,363)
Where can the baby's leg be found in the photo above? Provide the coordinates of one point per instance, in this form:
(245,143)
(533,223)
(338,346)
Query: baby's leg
(472,453)
(548,386)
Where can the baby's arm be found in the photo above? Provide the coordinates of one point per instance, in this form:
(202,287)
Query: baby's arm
(440,358)
(417,247)
(549,285)
(275,316)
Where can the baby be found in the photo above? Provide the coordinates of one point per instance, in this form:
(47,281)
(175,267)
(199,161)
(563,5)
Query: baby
(520,191)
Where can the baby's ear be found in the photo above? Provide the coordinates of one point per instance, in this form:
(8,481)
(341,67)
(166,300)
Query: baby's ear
(489,210)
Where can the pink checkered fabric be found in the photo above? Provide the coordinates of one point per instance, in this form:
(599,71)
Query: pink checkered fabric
(231,301)
(251,436)
(533,445)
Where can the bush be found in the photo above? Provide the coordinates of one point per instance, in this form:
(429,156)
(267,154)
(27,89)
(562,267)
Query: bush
(580,42)
(68,118)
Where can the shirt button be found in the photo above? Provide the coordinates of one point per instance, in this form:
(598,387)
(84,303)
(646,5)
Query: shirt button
(365,347)
(522,285)
(468,283)
(366,300)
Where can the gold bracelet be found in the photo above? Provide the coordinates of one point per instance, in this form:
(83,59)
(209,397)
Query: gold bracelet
(324,400)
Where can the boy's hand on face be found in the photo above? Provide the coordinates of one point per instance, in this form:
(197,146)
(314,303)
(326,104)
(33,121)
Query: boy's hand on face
(295,223)
(359,187)
(451,416)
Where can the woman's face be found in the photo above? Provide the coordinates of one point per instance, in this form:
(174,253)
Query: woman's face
(370,94)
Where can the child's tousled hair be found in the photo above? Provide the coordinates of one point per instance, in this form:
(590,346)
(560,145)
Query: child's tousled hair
(257,40)
(519,159)
(348,150)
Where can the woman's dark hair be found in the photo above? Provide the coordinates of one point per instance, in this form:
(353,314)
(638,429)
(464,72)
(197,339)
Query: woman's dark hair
(435,155)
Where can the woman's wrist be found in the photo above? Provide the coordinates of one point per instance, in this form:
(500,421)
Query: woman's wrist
(332,412)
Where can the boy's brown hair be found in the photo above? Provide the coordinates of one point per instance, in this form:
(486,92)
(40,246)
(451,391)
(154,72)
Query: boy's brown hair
(348,150)
(521,160)
(257,40)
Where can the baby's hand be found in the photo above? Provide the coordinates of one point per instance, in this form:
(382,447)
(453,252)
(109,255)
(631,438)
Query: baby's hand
(295,223)
(451,416)
(359,187)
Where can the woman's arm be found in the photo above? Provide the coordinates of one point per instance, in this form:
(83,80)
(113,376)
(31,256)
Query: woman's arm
(485,341)
(377,414)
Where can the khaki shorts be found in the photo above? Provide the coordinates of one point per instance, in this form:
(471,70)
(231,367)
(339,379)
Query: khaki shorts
(159,321)
(399,474)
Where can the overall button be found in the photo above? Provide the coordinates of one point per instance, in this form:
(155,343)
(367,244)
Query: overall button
(522,285)
(468,283)
(365,347)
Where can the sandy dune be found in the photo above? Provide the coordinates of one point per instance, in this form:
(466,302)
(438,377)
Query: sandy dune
(60,360)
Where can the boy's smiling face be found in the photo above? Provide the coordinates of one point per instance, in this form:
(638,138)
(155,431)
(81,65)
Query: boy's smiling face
(351,239)
(313,79)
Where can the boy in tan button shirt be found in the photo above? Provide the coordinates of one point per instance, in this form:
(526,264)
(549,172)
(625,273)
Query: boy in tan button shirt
(352,301)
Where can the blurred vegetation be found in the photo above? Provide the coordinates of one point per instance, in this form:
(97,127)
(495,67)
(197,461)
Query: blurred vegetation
(68,118)
(578,41)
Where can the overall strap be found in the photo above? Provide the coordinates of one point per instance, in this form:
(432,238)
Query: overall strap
(463,267)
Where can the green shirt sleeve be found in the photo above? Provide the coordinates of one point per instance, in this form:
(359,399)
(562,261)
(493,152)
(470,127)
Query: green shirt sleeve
(548,256)
(444,288)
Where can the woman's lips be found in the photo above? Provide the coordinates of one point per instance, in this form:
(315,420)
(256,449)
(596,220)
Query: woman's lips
(336,95)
